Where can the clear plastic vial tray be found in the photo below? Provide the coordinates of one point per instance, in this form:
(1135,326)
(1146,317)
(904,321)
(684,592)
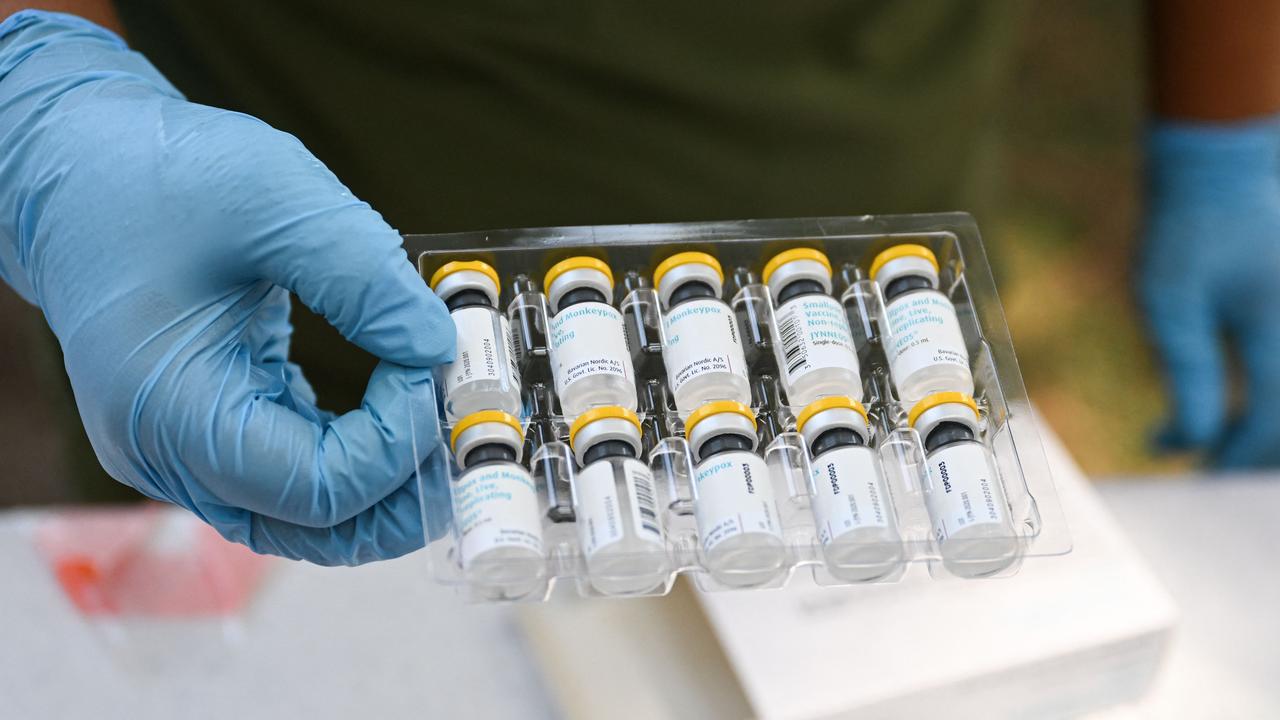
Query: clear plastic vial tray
(669,499)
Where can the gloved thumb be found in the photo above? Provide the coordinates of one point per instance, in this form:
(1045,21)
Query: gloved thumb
(306,232)
(355,273)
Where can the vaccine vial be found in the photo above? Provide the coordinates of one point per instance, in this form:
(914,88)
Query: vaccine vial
(702,348)
(495,507)
(616,504)
(811,337)
(734,502)
(483,374)
(965,499)
(852,508)
(924,345)
(590,363)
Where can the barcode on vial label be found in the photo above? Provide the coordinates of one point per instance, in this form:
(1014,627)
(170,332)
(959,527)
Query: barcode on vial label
(512,362)
(646,502)
(793,345)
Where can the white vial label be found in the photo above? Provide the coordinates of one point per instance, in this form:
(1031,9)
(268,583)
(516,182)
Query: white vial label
(923,331)
(600,510)
(496,506)
(701,337)
(477,354)
(588,339)
(734,496)
(813,335)
(964,490)
(848,492)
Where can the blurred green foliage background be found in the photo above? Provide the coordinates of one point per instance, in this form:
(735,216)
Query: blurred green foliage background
(1065,235)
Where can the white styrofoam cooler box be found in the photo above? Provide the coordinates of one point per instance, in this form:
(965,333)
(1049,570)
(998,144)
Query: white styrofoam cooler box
(1060,639)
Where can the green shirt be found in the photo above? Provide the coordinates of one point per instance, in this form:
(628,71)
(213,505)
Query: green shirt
(510,113)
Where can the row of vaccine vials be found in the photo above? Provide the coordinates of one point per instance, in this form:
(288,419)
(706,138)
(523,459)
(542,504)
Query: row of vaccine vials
(496,503)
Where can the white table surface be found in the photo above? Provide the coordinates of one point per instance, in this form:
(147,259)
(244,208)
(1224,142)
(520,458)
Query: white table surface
(380,641)
(1211,540)
(376,641)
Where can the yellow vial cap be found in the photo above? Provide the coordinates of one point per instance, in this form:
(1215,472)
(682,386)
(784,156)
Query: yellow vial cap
(829,403)
(579,262)
(942,398)
(715,408)
(686,258)
(484,416)
(792,255)
(450,268)
(602,413)
(901,251)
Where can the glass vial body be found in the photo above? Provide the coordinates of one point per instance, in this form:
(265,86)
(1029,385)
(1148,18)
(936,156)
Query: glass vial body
(739,533)
(702,347)
(616,505)
(590,362)
(812,342)
(853,511)
(496,508)
(967,507)
(924,344)
(484,374)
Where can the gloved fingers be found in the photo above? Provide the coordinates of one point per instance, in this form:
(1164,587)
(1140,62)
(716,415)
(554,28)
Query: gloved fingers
(389,529)
(304,396)
(1186,333)
(297,394)
(267,339)
(258,454)
(268,331)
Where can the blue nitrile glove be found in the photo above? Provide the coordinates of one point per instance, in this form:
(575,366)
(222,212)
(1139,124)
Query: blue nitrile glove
(161,238)
(1209,272)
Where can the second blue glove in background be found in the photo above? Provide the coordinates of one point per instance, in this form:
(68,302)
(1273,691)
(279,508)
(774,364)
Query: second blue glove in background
(1210,279)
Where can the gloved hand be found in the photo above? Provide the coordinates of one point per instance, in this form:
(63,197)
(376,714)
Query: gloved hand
(160,238)
(1209,273)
